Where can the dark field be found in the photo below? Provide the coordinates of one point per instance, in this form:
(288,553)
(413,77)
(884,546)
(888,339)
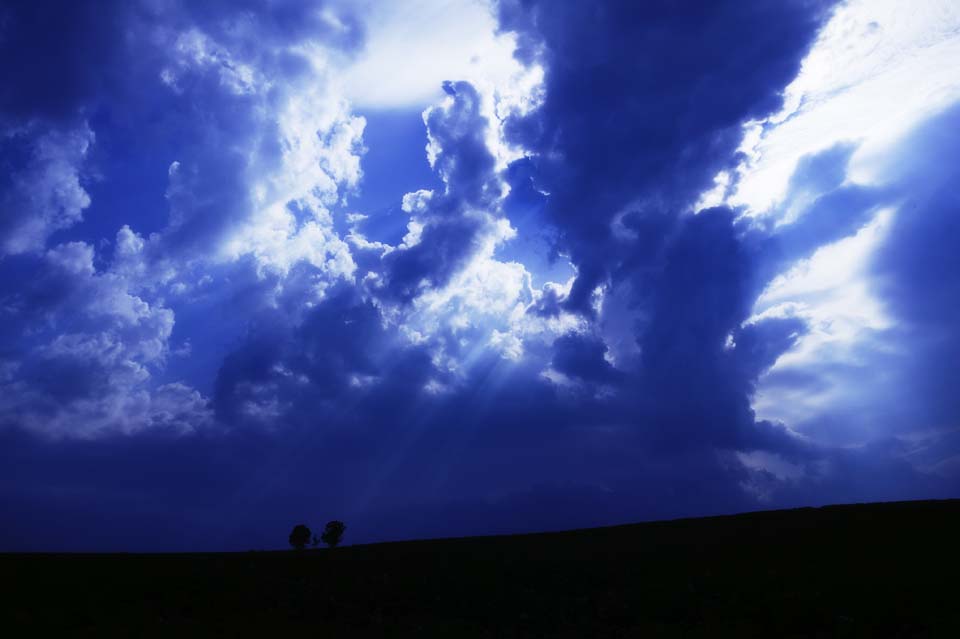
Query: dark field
(874,570)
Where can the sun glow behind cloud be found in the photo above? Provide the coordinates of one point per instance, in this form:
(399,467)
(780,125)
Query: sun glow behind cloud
(413,47)
(877,70)
(832,292)
(202,248)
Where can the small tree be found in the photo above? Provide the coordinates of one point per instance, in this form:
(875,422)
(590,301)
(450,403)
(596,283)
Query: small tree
(333,533)
(299,536)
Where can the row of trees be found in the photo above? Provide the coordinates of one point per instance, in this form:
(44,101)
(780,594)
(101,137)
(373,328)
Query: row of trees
(300,536)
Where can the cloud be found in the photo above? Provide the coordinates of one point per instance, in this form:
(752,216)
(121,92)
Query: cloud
(876,71)
(444,228)
(564,334)
(915,269)
(644,153)
(42,189)
(879,303)
(81,348)
(413,48)
(292,149)
(257,152)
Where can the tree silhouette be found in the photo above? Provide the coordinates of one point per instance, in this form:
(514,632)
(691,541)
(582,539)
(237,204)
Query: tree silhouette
(299,536)
(333,533)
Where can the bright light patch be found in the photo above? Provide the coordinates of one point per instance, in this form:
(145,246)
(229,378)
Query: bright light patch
(879,68)
(832,292)
(412,47)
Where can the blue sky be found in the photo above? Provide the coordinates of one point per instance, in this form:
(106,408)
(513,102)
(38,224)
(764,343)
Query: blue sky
(443,267)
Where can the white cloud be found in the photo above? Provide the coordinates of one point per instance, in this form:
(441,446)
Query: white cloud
(486,303)
(879,68)
(485,294)
(302,159)
(46,194)
(832,291)
(413,46)
(88,367)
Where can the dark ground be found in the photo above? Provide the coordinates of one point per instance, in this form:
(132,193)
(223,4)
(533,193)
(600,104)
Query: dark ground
(877,570)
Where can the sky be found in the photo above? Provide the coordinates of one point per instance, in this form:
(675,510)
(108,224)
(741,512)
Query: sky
(458,267)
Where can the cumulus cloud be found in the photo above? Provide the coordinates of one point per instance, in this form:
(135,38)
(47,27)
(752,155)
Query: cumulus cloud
(81,349)
(578,322)
(636,159)
(41,190)
(258,151)
(266,147)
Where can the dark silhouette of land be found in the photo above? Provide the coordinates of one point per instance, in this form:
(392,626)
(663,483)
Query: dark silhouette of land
(873,570)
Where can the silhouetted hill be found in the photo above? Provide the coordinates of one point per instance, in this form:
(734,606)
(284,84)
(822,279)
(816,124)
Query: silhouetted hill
(871,570)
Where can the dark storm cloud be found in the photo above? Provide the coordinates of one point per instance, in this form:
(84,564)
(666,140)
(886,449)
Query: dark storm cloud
(624,144)
(308,367)
(696,373)
(321,405)
(583,357)
(341,378)
(644,103)
(450,220)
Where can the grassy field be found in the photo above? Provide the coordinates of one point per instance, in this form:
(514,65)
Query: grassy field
(875,570)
